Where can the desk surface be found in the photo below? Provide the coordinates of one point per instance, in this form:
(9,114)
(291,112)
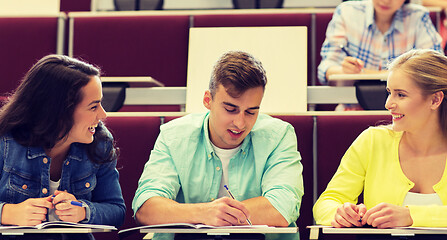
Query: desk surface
(144,81)
(360,76)
(222,230)
(218,231)
(21,231)
(402,231)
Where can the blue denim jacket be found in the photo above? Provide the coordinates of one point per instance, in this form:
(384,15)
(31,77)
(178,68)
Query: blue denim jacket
(26,174)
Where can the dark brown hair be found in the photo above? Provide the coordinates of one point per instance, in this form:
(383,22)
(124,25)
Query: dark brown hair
(237,72)
(40,111)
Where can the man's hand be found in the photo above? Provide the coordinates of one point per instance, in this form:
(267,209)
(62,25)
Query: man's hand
(224,212)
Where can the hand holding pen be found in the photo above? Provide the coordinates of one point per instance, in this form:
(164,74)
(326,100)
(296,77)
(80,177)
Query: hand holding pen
(68,208)
(231,195)
(351,64)
(349,215)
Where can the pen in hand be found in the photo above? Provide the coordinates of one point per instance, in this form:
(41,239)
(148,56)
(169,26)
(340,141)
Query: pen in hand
(231,195)
(358,63)
(74,203)
(342,47)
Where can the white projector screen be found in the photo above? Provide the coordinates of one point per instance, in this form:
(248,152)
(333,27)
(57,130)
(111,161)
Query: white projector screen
(282,51)
(29,7)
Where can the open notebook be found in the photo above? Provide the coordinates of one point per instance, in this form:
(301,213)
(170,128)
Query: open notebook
(59,224)
(190,225)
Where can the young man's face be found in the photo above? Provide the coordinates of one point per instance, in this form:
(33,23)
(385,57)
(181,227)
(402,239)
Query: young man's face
(231,119)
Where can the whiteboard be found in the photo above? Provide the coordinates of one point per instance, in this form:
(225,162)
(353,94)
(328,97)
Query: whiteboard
(313,3)
(29,7)
(197,4)
(282,51)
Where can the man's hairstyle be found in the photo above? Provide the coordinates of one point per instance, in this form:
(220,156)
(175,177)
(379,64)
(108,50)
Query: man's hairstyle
(40,111)
(237,72)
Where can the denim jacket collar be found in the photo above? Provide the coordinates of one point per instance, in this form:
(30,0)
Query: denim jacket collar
(74,153)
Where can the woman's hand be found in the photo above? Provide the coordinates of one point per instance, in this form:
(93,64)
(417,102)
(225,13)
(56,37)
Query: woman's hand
(66,211)
(386,215)
(27,213)
(349,215)
(352,65)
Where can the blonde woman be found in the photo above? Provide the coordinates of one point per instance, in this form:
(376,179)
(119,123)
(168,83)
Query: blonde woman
(400,168)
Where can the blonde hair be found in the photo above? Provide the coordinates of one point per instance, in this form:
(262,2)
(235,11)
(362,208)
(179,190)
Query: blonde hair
(428,69)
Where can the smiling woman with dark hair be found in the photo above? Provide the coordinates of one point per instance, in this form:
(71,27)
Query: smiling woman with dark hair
(54,149)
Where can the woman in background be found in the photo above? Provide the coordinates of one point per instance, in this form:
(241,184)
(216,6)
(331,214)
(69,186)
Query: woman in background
(364,36)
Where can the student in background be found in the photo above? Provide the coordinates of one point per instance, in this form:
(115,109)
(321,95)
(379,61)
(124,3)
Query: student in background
(400,168)
(363,36)
(195,156)
(55,149)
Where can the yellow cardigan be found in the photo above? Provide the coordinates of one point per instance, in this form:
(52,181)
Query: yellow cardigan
(371,164)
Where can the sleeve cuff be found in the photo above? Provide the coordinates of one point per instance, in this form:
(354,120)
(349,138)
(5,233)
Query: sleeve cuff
(88,213)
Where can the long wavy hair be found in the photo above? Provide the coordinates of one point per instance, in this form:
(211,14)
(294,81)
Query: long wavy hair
(40,111)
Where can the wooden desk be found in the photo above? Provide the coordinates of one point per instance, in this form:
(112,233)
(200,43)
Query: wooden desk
(397,232)
(370,89)
(360,76)
(21,231)
(141,81)
(219,231)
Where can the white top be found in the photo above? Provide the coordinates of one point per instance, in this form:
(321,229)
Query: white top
(51,214)
(422,199)
(224,155)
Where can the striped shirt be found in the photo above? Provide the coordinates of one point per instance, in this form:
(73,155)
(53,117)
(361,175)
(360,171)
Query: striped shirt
(353,26)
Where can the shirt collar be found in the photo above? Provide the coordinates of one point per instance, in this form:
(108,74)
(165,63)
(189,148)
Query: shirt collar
(209,149)
(369,11)
(398,20)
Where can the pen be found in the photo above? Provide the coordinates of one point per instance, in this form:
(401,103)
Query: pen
(231,195)
(342,47)
(74,203)
(79,204)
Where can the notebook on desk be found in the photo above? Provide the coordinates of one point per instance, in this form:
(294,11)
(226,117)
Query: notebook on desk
(58,224)
(193,226)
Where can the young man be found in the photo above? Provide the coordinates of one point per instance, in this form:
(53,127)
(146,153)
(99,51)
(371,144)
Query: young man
(253,154)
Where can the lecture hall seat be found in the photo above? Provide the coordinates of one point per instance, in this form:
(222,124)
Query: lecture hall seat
(334,136)
(304,126)
(322,20)
(135,137)
(23,41)
(75,6)
(143,45)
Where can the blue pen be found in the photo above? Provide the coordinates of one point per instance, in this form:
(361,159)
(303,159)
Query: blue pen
(74,203)
(231,195)
(79,204)
(342,47)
